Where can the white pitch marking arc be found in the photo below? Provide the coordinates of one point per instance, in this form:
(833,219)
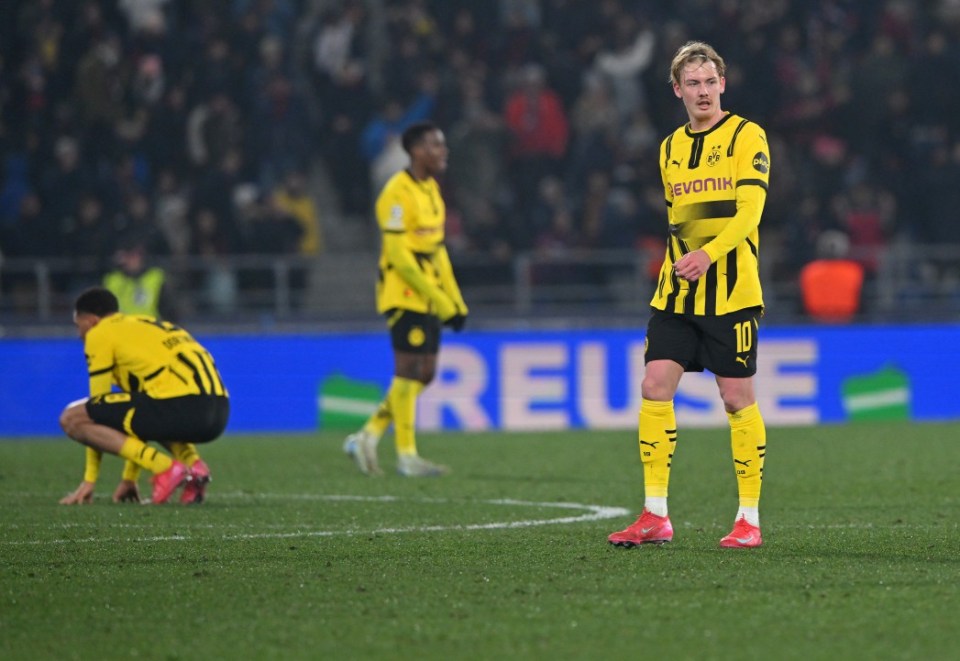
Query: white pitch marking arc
(592,513)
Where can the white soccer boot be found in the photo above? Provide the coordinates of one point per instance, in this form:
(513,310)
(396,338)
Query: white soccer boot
(361,446)
(411,465)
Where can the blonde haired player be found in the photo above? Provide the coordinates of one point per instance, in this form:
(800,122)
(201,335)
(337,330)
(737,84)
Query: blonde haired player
(417,293)
(708,302)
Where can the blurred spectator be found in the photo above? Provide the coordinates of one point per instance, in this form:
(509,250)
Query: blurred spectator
(14,186)
(63,183)
(538,128)
(271,229)
(867,215)
(212,241)
(380,140)
(213,130)
(181,102)
(339,75)
(29,234)
(623,65)
(89,234)
(171,205)
(292,199)
(596,129)
(830,286)
(139,287)
(281,124)
(476,169)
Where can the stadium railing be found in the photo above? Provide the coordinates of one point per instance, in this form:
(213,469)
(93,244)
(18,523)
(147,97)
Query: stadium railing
(911,283)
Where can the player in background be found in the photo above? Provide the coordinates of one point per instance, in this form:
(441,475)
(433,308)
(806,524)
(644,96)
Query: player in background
(170,390)
(417,293)
(708,302)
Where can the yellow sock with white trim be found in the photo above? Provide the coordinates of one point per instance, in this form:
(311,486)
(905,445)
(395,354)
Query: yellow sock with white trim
(658,439)
(145,456)
(403,404)
(748,439)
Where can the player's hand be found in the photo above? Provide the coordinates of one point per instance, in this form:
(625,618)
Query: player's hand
(692,265)
(456,322)
(83,495)
(126,492)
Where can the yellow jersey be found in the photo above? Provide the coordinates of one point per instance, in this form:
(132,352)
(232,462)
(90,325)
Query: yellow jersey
(415,210)
(139,353)
(715,182)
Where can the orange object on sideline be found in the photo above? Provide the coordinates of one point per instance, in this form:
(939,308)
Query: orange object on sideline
(831,288)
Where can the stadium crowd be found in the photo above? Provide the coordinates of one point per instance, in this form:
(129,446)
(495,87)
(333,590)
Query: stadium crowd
(198,123)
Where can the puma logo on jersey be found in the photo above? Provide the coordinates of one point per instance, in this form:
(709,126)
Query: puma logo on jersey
(740,359)
(677,163)
(653,445)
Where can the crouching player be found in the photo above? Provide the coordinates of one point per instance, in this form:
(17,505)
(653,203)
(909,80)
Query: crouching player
(170,392)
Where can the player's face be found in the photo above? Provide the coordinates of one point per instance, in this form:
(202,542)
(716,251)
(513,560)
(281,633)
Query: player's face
(84,322)
(700,91)
(434,152)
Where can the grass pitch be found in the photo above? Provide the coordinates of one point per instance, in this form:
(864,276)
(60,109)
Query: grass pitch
(298,556)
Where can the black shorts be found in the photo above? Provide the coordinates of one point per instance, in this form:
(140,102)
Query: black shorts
(413,332)
(190,419)
(726,345)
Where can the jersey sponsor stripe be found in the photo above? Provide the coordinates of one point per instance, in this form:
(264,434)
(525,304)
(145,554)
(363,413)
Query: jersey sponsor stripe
(705,210)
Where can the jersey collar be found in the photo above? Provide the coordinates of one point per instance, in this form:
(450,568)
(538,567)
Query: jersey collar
(695,134)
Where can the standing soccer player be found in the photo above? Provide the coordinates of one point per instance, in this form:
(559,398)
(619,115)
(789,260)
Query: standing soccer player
(171,392)
(708,302)
(417,293)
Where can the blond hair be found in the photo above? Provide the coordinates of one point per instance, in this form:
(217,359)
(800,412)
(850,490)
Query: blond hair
(695,51)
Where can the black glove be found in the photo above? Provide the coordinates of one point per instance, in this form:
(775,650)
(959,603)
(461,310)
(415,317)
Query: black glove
(456,322)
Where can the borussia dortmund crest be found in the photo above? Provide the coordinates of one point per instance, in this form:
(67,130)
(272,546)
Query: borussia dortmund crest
(714,156)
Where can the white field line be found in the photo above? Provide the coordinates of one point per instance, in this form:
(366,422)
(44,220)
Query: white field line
(592,513)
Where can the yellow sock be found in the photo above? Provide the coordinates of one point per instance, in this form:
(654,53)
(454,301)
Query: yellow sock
(748,438)
(403,404)
(378,422)
(185,453)
(131,472)
(145,456)
(658,439)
